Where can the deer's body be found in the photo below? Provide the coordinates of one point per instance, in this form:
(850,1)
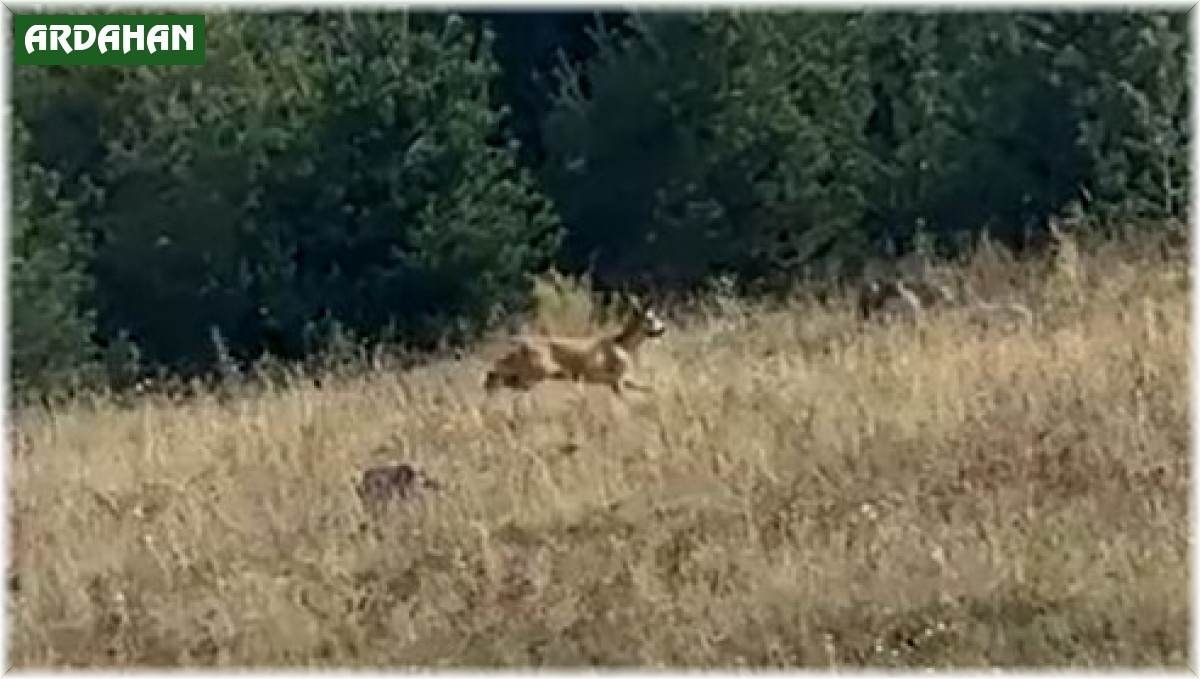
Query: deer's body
(1001,314)
(899,297)
(911,299)
(607,359)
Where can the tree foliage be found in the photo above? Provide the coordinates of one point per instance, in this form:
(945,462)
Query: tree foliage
(760,143)
(49,323)
(323,168)
(398,176)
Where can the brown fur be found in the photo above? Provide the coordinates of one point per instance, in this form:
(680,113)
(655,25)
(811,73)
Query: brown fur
(899,296)
(606,359)
(911,299)
(381,484)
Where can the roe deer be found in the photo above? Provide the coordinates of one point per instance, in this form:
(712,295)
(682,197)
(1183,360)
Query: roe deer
(900,297)
(605,359)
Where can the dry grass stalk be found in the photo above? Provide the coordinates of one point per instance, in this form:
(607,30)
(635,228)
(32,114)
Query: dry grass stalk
(947,498)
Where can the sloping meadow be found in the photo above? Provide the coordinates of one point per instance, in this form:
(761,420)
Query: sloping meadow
(801,489)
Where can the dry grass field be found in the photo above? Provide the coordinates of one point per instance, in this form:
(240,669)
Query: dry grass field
(801,489)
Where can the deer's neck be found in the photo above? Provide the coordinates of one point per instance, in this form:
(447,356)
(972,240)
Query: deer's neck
(629,337)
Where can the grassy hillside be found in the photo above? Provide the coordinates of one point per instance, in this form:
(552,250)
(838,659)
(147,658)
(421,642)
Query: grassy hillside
(801,489)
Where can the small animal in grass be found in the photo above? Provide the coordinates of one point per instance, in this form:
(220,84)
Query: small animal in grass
(899,297)
(606,359)
(911,299)
(384,483)
(1000,314)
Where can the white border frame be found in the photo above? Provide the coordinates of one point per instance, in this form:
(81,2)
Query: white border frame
(68,5)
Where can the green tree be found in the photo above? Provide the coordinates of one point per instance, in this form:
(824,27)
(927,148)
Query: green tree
(974,126)
(323,168)
(50,328)
(713,142)
(1133,111)
(404,204)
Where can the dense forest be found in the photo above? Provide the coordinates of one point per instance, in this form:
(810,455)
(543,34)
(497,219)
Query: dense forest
(398,177)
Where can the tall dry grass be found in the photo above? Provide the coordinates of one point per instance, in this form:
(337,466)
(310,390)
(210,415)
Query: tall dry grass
(800,490)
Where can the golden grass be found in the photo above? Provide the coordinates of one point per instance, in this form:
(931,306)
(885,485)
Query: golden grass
(800,490)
